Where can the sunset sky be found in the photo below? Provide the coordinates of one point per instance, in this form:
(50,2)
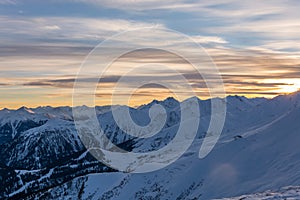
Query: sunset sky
(255,45)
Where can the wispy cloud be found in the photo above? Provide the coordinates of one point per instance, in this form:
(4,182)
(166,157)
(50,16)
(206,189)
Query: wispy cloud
(254,44)
(8,2)
(64,28)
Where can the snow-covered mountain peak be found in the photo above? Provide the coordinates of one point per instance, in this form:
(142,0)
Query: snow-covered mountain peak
(5,110)
(26,110)
(169,102)
(295,95)
(249,101)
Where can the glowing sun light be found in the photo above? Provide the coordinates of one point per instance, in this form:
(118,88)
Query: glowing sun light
(292,85)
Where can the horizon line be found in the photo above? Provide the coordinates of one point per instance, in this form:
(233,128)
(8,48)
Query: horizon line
(149,102)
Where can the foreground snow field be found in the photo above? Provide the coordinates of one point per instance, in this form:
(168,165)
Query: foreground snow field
(288,193)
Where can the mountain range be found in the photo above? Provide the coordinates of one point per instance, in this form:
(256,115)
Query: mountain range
(42,156)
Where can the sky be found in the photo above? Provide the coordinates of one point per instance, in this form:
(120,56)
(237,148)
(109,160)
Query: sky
(254,44)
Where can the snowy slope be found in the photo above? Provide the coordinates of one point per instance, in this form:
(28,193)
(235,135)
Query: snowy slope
(259,162)
(284,193)
(258,150)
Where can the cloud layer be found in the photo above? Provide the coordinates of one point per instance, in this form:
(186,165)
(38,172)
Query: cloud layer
(256,45)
